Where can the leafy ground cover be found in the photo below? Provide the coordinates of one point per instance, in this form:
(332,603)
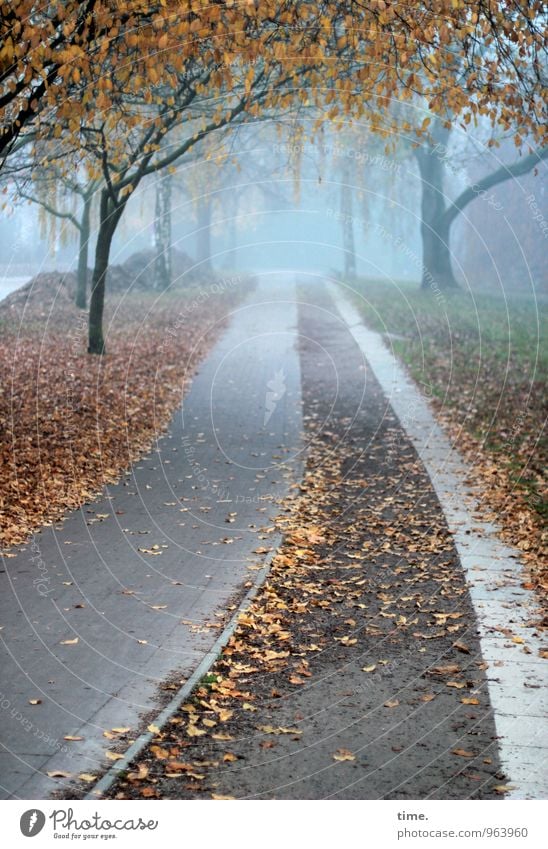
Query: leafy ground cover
(70,422)
(483,362)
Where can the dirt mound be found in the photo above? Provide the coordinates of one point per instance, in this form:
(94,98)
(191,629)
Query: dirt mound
(37,297)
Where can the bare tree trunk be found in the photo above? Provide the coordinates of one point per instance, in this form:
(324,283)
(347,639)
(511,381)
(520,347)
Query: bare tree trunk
(162,232)
(347,221)
(109,217)
(204,233)
(436,257)
(82,282)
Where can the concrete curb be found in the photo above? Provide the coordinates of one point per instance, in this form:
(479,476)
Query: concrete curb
(113,773)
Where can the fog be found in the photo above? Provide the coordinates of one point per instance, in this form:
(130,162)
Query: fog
(342,202)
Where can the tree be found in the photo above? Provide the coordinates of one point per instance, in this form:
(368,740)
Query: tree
(162,231)
(438,214)
(39,174)
(119,77)
(55,204)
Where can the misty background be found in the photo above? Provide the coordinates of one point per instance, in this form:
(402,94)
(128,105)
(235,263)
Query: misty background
(341,203)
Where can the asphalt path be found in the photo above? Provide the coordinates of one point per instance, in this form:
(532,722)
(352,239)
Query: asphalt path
(105,612)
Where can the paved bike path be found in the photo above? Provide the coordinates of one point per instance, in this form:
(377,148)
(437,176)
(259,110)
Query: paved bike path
(98,611)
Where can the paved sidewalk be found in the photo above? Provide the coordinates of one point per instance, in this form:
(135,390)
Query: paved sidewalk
(98,611)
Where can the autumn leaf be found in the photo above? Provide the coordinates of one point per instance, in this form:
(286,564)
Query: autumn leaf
(270,729)
(462,753)
(344,755)
(447,669)
(140,774)
(192,731)
(391,703)
(159,752)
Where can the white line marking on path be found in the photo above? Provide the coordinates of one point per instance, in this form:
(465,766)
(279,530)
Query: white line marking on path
(493,570)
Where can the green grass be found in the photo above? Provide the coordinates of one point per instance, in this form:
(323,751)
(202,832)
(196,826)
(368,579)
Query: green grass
(484,361)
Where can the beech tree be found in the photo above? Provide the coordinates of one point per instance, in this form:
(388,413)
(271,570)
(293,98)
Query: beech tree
(56,194)
(438,213)
(120,77)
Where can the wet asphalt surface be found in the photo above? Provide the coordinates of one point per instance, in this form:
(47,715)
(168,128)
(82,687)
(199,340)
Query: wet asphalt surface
(105,613)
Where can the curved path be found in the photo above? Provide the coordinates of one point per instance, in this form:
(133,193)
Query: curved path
(141,578)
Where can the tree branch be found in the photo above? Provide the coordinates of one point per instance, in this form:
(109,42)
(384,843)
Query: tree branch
(505,172)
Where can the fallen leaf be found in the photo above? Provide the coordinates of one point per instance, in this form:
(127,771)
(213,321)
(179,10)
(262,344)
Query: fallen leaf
(344,755)
(391,703)
(140,774)
(192,731)
(462,753)
(159,753)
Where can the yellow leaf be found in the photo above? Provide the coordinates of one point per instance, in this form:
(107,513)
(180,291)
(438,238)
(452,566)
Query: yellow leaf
(142,772)
(344,755)
(159,753)
(113,756)
(192,731)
